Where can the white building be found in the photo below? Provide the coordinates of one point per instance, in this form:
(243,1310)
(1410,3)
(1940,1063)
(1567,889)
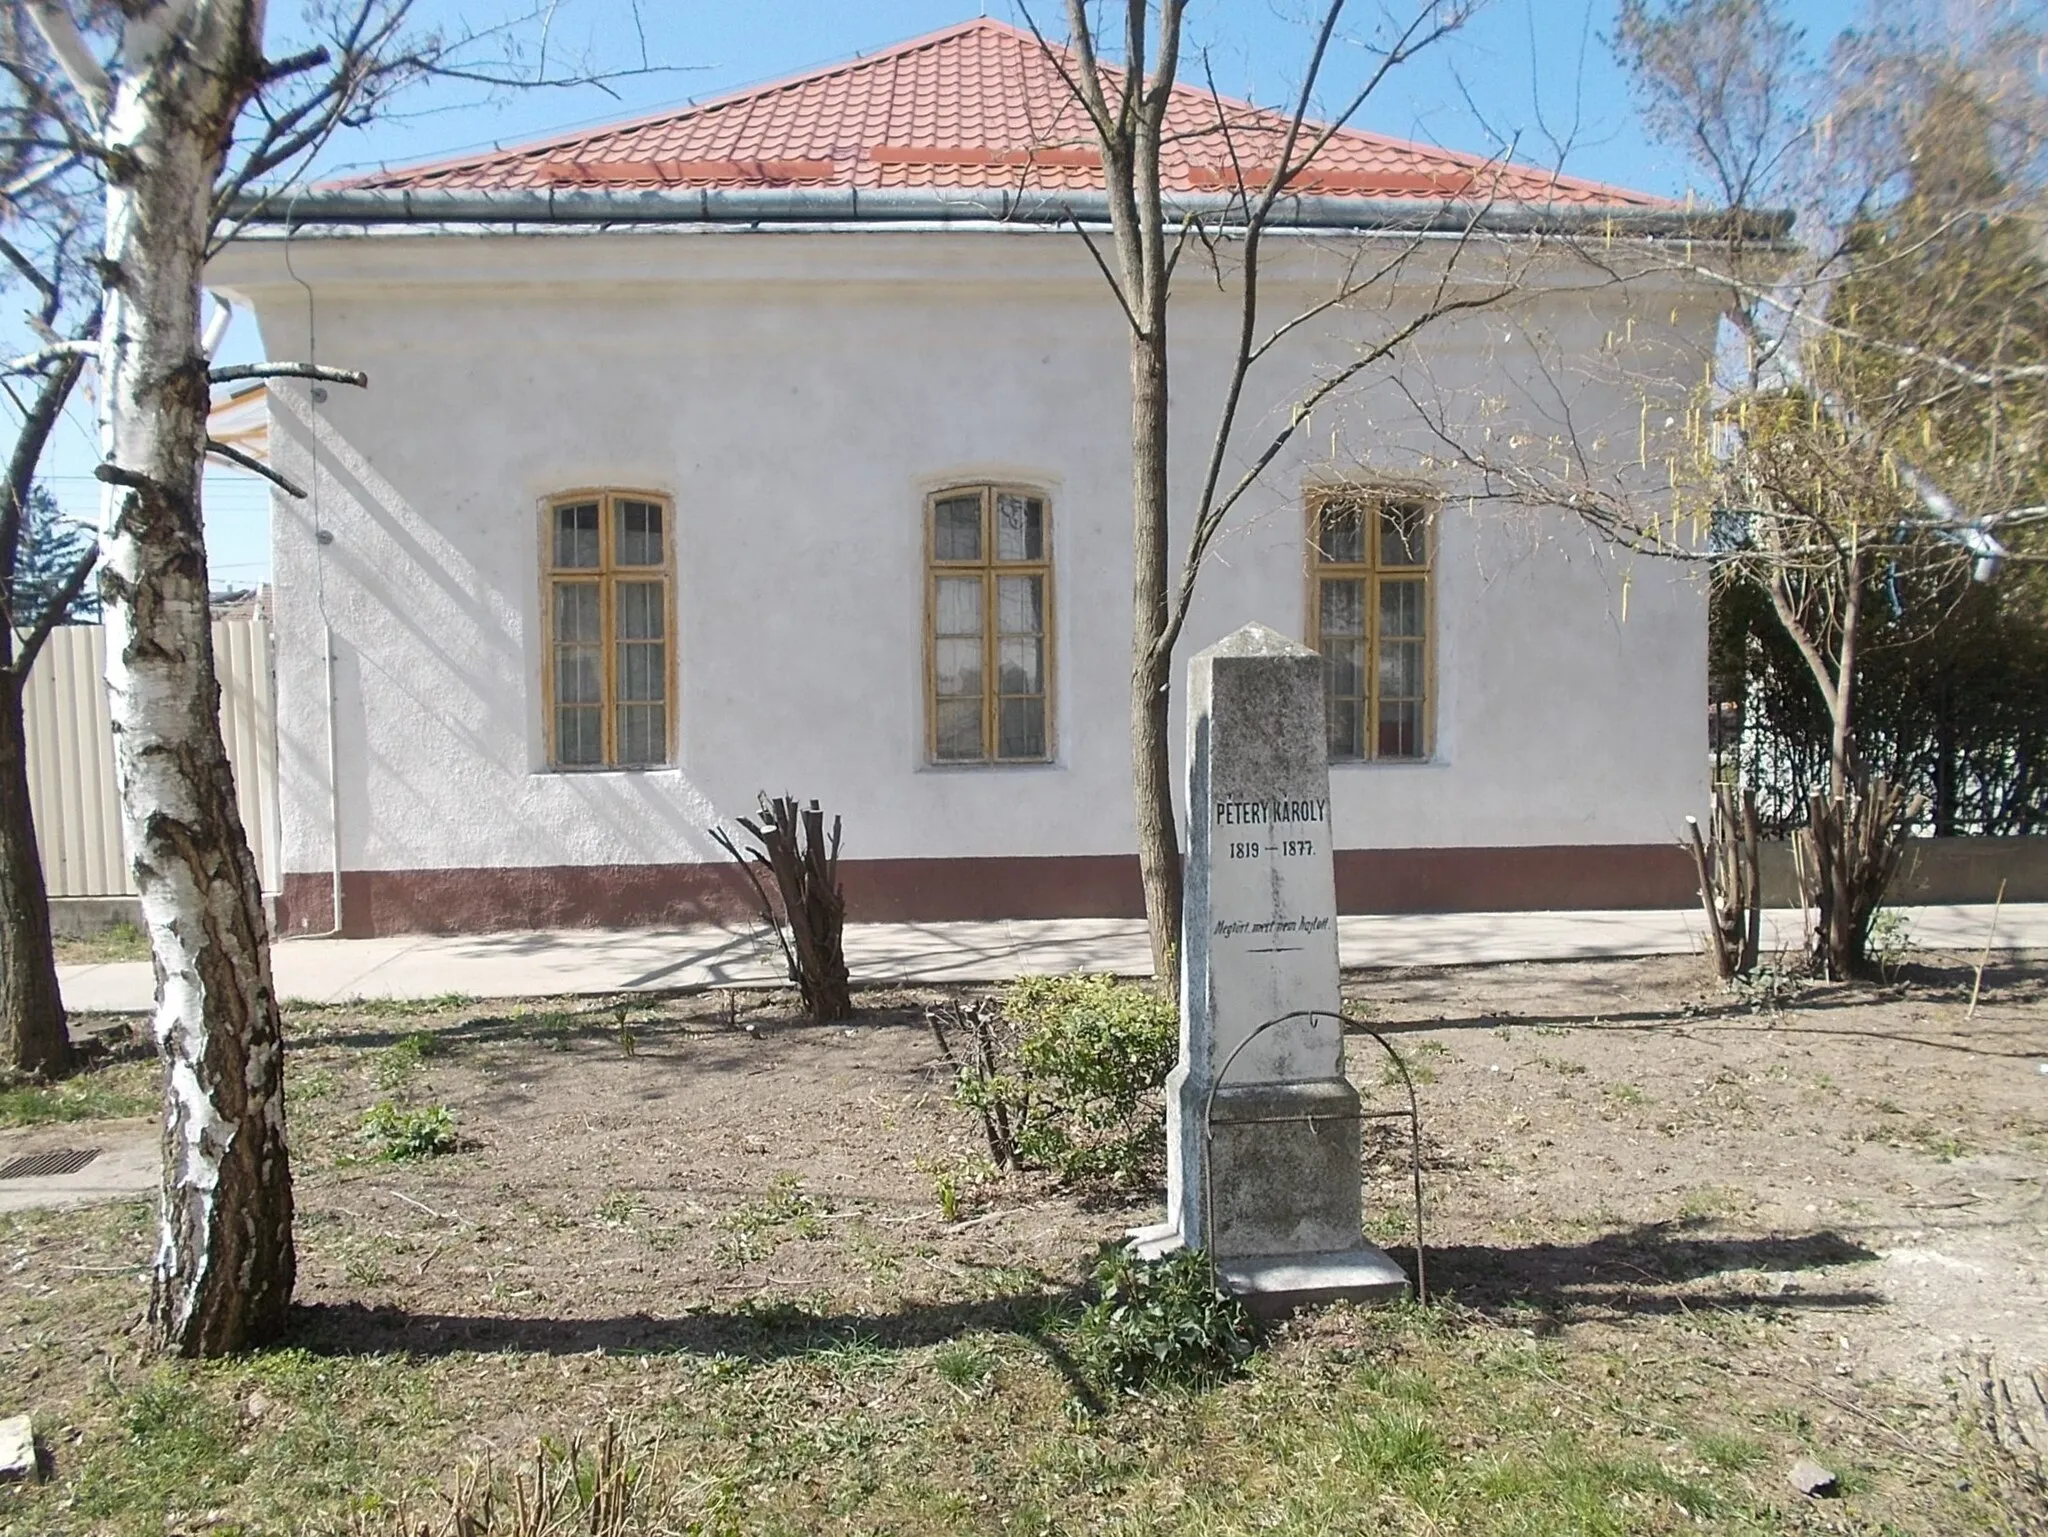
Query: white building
(782,444)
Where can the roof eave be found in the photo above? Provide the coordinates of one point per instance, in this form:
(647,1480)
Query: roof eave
(927,205)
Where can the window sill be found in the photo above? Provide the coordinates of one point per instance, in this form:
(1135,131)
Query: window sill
(1036,766)
(582,771)
(1348,765)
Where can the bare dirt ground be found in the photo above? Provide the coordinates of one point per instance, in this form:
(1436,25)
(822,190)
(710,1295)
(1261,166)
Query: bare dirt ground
(1821,1209)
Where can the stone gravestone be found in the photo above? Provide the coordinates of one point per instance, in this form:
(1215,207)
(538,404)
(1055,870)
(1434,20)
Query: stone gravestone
(1263,1135)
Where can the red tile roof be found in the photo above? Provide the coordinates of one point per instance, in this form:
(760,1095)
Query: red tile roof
(979,105)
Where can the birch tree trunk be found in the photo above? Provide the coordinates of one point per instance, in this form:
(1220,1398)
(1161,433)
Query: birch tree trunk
(224,1265)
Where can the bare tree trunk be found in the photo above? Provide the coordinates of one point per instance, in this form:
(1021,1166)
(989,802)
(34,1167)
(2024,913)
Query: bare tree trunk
(31,1006)
(31,1009)
(225,1263)
(1841,919)
(1151,659)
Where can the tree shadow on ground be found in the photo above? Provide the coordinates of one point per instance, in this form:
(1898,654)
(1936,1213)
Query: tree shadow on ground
(594,1021)
(1645,1271)
(1630,1273)
(757,1331)
(1737,1016)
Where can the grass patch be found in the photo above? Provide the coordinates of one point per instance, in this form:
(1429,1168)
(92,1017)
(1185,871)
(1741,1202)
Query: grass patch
(115,942)
(101,1094)
(1400,1420)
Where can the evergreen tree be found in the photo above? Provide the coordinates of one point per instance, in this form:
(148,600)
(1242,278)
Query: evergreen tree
(51,548)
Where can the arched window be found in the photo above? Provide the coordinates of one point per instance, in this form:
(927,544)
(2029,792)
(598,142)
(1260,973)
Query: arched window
(610,559)
(988,625)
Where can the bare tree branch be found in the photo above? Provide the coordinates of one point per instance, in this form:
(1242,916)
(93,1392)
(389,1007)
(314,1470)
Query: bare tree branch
(43,357)
(53,613)
(227,372)
(255,466)
(74,55)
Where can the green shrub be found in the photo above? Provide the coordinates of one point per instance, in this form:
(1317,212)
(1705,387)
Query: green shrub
(397,1135)
(1065,1074)
(1161,1323)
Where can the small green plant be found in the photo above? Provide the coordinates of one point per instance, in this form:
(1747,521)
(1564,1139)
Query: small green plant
(964,1366)
(1891,935)
(1065,1074)
(781,1211)
(617,1208)
(1944,1145)
(1161,1323)
(364,1270)
(404,1056)
(397,1136)
(956,1182)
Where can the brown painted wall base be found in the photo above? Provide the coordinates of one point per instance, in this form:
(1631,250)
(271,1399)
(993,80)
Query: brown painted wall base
(1936,871)
(938,890)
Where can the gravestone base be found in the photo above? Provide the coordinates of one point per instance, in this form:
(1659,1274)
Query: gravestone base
(1281,1167)
(1282,1209)
(1274,1285)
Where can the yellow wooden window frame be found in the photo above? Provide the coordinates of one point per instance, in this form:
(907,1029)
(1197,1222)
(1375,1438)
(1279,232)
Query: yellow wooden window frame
(1376,576)
(607,576)
(990,568)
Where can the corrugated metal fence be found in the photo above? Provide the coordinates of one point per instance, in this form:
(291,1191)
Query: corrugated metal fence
(71,754)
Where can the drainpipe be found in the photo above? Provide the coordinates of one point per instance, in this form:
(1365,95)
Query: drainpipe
(333,766)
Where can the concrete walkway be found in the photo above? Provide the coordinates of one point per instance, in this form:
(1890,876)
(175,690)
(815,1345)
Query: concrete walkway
(571,961)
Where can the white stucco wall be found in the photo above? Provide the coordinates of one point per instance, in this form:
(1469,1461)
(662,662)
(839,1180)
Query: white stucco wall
(797,394)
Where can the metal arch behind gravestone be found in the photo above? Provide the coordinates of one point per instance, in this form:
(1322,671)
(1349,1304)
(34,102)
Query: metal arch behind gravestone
(1263,1167)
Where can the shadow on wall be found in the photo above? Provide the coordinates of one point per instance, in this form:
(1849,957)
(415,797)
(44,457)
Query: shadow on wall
(446,650)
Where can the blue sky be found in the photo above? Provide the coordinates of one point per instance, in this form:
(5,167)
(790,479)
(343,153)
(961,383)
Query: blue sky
(1538,73)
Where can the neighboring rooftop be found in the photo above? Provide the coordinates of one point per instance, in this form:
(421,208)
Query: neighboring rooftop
(979,105)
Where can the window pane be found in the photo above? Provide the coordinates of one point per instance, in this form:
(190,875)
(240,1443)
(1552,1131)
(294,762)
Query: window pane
(576,612)
(643,733)
(579,734)
(640,670)
(1020,605)
(956,528)
(1401,669)
(576,536)
(957,664)
(959,606)
(1021,729)
(637,610)
(638,534)
(579,675)
(1347,670)
(1400,733)
(1342,610)
(1341,534)
(957,731)
(1347,734)
(1020,666)
(1404,536)
(1020,528)
(1401,609)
